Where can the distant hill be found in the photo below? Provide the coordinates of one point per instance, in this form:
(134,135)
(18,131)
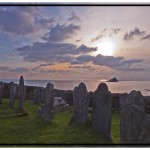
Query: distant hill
(114,79)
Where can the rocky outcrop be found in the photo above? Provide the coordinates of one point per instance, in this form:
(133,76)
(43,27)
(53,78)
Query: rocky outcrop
(114,79)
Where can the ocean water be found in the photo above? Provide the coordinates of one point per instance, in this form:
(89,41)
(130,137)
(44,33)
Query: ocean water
(114,87)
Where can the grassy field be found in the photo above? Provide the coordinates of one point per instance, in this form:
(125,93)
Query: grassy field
(32,130)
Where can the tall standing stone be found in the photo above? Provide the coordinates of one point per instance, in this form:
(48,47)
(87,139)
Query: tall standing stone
(21,94)
(102,106)
(12,91)
(46,110)
(134,126)
(133,98)
(1,91)
(80,104)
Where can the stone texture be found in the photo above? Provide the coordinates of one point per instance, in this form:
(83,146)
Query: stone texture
(69,97)
(25,91)
(1,92)
(46,110)
(147,104)
(102,107)
(37,95)
(12,92)
(41,95)
(21,94)
(134,126)
(133,98)
(80,104)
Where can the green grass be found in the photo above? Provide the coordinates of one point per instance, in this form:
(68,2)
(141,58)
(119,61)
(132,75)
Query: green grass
(32,130)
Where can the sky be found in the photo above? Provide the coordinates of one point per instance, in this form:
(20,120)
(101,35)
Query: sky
(75,42)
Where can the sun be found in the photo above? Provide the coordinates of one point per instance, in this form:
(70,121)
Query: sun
(105,48)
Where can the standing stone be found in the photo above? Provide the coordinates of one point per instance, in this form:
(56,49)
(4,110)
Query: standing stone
(21,94)
(134,126)
(1,91)
(80,104)
(133,98)
(12,91)
(102,106)
(46,110)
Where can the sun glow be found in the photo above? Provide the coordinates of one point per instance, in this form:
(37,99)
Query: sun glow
(106,48)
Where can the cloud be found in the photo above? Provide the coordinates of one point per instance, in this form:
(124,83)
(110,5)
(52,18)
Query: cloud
(74,18)
(79,40)
(51,71)
(4,68)
(87,67)
(146,37)
(133,33)
(46,22)
(52,52)
(22,20)
(47,64)
(19,70)
(118,63)
(14,70)
(82,59)
(107,32)
(61,32)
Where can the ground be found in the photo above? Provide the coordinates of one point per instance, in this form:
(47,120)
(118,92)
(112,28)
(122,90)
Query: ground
(32,130)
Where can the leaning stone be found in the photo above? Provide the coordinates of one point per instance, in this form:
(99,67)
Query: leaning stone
(134,126)
(102,106)
(1,91)
(46,110)
(21,94)
(80,104)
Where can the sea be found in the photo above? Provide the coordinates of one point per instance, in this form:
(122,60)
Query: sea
(114,87)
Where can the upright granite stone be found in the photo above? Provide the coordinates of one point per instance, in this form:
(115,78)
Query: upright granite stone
(133,98)
(21,94)
(1,91)
(102,106)
(46,110)
(134,126)
(12,91)
(80,104)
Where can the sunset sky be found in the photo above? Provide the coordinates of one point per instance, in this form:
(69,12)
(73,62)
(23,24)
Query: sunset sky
(75,42)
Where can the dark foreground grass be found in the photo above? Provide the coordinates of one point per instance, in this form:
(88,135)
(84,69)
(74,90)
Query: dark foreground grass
(32,130)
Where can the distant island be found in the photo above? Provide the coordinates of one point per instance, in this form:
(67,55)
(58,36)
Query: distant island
(114,79)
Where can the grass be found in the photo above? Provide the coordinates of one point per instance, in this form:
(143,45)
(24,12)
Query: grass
(32,130)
